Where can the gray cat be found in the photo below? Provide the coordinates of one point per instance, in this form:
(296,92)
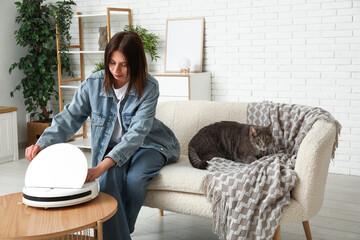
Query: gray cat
(231,140)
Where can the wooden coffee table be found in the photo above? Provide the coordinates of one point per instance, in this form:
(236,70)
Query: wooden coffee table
(18,221)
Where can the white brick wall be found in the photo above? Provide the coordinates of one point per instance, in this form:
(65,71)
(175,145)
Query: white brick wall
(303,52)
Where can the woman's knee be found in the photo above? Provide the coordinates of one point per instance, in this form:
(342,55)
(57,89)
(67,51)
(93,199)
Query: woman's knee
(147,161)
(145,165)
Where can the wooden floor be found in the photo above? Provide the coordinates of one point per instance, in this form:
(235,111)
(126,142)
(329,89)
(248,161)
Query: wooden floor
(339,218)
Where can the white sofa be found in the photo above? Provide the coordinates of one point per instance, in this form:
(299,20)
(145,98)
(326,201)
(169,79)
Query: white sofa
(177,187)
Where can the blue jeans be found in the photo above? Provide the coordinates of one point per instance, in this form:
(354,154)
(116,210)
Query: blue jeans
(127,184)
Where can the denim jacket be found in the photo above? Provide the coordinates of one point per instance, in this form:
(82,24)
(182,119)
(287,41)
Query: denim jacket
(141,128)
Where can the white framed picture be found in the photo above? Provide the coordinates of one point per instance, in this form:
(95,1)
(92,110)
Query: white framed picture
(184,43)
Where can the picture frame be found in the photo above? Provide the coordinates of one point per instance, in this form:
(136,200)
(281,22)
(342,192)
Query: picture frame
(184,42)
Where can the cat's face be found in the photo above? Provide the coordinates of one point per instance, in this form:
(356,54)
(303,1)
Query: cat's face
(261,137)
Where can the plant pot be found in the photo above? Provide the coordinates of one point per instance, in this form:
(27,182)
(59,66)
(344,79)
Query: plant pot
(35,129)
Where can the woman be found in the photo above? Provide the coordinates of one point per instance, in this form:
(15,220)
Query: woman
(129,145)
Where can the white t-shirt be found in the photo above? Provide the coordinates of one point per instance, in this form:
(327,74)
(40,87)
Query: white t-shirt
(117,133)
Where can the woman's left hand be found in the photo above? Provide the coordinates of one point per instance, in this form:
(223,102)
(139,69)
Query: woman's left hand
(93,173)
(97,171)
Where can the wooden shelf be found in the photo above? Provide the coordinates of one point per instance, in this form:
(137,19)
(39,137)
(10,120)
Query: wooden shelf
(99,15)
(85,52)
(69,87)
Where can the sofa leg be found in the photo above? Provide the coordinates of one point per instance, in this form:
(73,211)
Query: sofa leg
(277,234)
(306,226)
(161,212)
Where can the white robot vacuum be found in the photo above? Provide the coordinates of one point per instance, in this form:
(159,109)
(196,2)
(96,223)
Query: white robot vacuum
(56,178)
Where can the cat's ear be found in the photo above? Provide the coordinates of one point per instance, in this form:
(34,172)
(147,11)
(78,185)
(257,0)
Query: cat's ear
(270,128)
(253,131)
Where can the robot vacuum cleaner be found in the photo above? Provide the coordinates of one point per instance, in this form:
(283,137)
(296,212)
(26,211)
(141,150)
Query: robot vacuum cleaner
(56,178)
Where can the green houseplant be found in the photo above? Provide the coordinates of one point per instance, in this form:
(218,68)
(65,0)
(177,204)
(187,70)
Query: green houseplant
(37,33)
(150,40)
(99,66)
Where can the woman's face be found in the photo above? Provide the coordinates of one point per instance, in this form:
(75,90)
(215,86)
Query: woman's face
(119,69)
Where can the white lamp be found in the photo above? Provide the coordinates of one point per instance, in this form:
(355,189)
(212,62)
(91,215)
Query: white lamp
(184,64)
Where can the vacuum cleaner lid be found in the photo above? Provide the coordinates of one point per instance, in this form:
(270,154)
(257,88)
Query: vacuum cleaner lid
(58,166)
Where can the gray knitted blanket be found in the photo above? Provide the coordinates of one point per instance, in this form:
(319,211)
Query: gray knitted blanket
(247,200)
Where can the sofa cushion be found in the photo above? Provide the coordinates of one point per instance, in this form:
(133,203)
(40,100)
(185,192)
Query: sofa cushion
(179,177)
(180,202)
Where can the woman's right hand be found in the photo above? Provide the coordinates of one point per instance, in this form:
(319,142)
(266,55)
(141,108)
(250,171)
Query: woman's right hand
(32,151)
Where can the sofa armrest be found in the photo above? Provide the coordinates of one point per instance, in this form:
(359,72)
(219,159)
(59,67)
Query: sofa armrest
(312,166)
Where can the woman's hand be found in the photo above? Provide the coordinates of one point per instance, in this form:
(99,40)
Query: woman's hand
(93,173)
(97,171)
(32,151)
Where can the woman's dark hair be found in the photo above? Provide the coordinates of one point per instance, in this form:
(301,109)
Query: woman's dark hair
(131,46)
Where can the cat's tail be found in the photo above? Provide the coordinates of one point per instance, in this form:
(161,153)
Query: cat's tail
(195,161)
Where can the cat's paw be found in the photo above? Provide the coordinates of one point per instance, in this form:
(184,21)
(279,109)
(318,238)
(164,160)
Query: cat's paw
(203,165)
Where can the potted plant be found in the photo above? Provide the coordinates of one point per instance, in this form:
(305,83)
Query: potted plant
(150,40)
(99,66)
(37,32)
